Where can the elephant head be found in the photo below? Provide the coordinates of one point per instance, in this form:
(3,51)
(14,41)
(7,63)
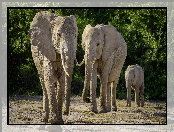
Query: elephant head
(92,44)
(55,34)
(64,37)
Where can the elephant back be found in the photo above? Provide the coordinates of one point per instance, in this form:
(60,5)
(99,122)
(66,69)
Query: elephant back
(136,74)
(40,35)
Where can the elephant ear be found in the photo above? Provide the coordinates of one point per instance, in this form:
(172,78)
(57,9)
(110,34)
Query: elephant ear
(112,40)
(40,35)
(72,17)
(59,26)
(55,25)
(85,31)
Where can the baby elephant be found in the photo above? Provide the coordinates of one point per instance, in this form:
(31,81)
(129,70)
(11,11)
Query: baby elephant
(134,76)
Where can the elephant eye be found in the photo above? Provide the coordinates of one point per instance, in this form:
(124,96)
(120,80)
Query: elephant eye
(97,44)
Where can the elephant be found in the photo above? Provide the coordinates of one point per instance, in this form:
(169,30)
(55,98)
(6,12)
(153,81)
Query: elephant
(134,76)
(105,53)
(53,45)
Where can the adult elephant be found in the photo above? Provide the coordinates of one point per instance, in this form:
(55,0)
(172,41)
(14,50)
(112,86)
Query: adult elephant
(134,76)
(53,45)
(105,53)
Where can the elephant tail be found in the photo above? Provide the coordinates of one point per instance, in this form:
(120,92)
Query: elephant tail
(80,63)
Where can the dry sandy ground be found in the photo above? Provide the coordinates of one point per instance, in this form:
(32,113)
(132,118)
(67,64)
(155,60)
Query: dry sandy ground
(28,110)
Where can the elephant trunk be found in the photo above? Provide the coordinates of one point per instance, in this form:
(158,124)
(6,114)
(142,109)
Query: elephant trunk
(88,69)
(68,65)
(90,58)
(68,81)
(67,56)
(128,87)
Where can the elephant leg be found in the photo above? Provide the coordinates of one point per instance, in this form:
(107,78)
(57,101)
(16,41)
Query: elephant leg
(113,88)
(128,97)
(45,105)
(142,96)
(103,93)
(50,88)
(93,86)
(86,85)
(39,66)
(45,99)
(137,100)
(67,93)
(60,98)
(109,97)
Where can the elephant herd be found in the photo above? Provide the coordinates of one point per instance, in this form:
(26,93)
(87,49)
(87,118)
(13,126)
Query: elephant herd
(54,44)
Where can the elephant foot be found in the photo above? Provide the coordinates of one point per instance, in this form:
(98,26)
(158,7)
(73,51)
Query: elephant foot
(138,105)
(142,105)
(66,113)
(56,121)
(87,100)
(93,109)
(114,108)
(55,118)
(108,109)
(128,105)
(103,110)
(44,118)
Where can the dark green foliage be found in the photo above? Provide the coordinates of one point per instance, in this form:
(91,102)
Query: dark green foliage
(144,31)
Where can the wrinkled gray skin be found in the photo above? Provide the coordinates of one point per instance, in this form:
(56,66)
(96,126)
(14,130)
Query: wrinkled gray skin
(105,53)
(53,45)
(134,76)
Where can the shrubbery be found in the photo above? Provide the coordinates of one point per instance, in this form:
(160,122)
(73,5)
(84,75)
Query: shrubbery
(144,31)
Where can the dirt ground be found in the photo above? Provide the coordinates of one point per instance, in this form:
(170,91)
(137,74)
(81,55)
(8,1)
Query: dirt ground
(28,110)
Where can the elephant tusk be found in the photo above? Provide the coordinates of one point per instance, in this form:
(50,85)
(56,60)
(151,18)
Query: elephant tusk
(67,74)
(65,71)
(63,64)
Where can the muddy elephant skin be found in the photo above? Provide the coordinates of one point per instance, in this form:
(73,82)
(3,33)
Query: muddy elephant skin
(53,45)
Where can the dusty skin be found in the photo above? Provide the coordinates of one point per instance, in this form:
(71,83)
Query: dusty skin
(134,76)
(53,45)
(28,110)
(105,53)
